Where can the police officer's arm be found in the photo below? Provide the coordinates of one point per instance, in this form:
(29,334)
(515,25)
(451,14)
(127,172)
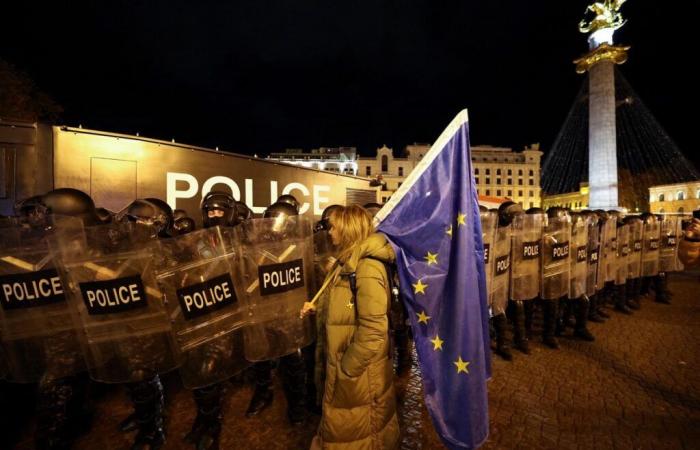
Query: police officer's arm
(689,247)
(372,323)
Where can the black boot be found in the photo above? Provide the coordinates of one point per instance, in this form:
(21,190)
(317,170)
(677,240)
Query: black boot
(580,329)
(403,350)
(661,289)
(549,313)
(631,299)
(294,384)
(602,299)
(262,397)
(147,397)
(593,315)
(207,426)
(502,348)
(620,295)
(517,316)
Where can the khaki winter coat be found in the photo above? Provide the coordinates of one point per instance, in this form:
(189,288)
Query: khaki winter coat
(359,403)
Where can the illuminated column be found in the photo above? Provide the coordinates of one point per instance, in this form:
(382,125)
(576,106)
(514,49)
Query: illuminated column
(600,62)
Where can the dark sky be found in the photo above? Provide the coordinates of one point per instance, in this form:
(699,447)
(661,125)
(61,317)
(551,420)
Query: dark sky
(259,76)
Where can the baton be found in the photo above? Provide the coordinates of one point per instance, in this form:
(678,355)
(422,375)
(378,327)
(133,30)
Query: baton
(281,258)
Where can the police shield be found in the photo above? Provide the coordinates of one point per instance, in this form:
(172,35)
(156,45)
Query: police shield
(489,221)
(556,245)
(608,251)
(39,336)
(650,247)
(579,256)
(636,239)
(112,287)
(500,254)
(622,254)
(592,285)
(274,273)
(324,256)
(526,253)
(668,244)
(203,306)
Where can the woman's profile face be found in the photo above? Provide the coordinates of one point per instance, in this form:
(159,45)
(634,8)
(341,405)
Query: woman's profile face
(335,236)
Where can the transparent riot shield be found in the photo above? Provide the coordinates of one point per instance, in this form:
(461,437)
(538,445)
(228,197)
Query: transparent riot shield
(38,333)
(668,244)
(634,259)
(501,270)
(525,256)
(556,248)
(592,285)
(324,256)
(204,307)
(622,255)
(609,249)
(110,279)
(274,273)
(579,257)
(489,220)
(650,249)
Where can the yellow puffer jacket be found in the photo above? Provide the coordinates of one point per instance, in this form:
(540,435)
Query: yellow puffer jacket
(359,403)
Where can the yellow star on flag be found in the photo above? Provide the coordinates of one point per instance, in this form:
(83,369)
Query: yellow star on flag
(437,342)
(460,219)
(461,365)
(431,258)
(422,317)
(449,231)
(419,288)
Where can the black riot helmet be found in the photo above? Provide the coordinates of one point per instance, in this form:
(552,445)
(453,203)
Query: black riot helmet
(147,212)
(372,208)
(280,212)
(70,202)
(243,213)
(630,220)
(483,209)
(104,215)
(183,225)
(28,206)
(557,211)
(179,214)
(324,223)
(648,218)
(289,199)
(218,208)
(506,212)
(535,210)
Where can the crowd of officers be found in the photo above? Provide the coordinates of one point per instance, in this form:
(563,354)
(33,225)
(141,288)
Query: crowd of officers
(64,408)
(572,266)
(569,265)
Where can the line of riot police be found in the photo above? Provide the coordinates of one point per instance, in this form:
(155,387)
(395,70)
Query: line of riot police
(571,266)
(123,298)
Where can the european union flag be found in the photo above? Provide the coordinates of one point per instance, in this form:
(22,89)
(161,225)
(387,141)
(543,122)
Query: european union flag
(432,221)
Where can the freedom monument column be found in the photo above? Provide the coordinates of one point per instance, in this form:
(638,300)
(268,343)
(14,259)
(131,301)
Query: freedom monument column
(600,62)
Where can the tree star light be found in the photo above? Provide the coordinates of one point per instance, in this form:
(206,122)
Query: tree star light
(419,288)
(462,365)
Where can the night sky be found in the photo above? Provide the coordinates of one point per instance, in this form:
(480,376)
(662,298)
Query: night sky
(261,76)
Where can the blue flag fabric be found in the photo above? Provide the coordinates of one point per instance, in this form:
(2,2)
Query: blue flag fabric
(433,223)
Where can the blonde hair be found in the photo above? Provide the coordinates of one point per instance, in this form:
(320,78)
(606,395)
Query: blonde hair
(354,225)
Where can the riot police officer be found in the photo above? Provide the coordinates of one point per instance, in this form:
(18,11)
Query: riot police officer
(498,265)
(218,209)
(62,402)
(291,366)
(634,261)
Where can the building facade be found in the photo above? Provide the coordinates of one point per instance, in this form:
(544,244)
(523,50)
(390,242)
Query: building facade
(575,201)
(500,173)
(675,198)
(331,159)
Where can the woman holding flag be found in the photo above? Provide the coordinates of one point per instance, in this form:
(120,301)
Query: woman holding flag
(359,402)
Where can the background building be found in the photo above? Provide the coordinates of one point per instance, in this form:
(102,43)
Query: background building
(576,200)
(672,198)
(331,159)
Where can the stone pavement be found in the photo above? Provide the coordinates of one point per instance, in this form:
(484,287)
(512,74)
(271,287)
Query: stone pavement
(636,387)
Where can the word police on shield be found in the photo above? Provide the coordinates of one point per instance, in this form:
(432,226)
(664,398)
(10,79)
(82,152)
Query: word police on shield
(283,277)
(26,290)
(531,250)
(114,296)
(202,298)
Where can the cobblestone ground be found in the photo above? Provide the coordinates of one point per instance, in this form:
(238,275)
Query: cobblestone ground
(636,387)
